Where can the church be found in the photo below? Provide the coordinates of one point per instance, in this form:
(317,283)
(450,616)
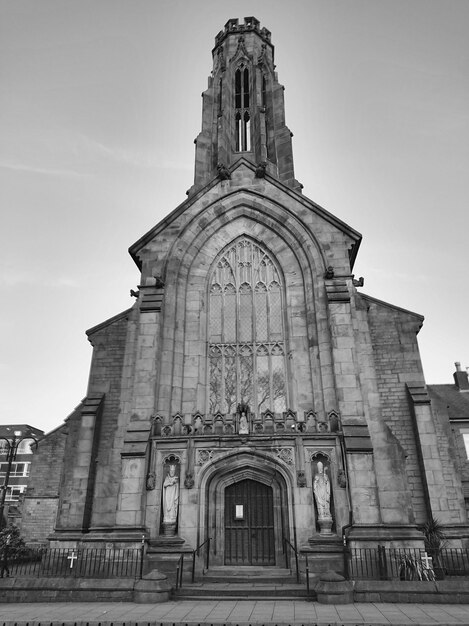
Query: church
(253,394)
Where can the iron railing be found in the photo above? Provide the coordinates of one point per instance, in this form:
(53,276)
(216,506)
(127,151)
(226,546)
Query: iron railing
(307,573)
(197,552)
(75,563)
(179,571)
(406,563)
(193,554)
(288,548)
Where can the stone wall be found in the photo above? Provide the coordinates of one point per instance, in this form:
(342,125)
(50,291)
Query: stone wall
(109,350)
(92,429)
(39,509)
(397,361)
(455,462)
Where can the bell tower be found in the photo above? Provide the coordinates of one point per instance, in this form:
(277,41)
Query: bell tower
(243,108)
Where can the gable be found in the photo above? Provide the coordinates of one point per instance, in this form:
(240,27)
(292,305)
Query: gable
(261,198)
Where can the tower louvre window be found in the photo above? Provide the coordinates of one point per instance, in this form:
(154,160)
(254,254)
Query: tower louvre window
(242,114)
(246,349)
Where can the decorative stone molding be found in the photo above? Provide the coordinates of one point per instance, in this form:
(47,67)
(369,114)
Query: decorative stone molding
(301,478)
(318,454)
(172,458)
(357,438)
(203,457)
(188,481)
(286,455)
(342,479)
(260,170)
(266,423)
(152,298)
(337,290)
(223,172)
(136,438)
(151,481)
(311,453)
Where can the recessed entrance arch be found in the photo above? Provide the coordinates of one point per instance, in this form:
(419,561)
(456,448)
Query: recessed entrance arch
(261,490)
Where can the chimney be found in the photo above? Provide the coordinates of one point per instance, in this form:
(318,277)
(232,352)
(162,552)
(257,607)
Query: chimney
(461,378)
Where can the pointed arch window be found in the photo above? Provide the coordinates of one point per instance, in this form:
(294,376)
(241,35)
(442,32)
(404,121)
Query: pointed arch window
(246,331)
(242,112)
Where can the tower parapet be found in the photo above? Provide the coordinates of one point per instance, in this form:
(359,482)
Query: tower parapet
(249,24)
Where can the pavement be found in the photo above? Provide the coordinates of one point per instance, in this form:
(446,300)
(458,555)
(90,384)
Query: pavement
(229,612)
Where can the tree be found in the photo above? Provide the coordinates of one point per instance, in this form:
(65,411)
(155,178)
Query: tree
(11,539)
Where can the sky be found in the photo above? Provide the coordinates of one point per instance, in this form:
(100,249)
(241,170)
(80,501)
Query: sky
(100,104)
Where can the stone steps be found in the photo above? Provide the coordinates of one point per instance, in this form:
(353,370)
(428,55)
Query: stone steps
(244,583)
(249,575)
(240,591)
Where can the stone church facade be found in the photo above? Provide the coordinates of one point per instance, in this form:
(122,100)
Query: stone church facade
(252,393)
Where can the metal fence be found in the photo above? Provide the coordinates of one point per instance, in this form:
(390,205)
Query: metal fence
(405,563)
(79,563)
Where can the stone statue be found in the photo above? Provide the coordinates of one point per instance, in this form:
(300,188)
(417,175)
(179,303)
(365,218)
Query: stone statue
(243,424)
(260,170)
(322,491)
(170,496)
(159,282)
(223,172)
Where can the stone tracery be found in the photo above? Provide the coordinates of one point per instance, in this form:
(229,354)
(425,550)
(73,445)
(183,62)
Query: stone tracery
(246,331)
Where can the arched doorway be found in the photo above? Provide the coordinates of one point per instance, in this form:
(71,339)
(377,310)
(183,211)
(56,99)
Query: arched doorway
(249,524)
(247,510)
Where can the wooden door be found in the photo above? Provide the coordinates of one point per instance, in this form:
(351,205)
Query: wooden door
(249,524)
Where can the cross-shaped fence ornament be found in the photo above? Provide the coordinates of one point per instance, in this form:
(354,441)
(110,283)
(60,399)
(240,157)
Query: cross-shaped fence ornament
(427,561)
(72,558)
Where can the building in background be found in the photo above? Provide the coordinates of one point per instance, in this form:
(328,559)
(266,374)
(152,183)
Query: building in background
(17,446)
(451,407)
(252,393)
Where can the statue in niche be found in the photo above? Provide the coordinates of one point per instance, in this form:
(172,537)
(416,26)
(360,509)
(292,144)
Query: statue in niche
(322,491)
(243,428)
(243,424)
(170,500)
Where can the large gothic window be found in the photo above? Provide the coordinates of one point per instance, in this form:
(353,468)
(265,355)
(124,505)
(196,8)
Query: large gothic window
(246,331)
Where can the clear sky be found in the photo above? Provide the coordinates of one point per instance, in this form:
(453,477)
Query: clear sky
(99,106)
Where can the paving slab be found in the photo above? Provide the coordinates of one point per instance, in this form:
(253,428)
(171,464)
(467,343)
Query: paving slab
(231,613)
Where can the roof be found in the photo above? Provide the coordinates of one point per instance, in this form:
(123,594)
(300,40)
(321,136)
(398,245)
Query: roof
(108,322)
(8,430)
(456,402)
(393,306)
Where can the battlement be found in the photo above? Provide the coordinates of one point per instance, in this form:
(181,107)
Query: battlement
(250,24)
